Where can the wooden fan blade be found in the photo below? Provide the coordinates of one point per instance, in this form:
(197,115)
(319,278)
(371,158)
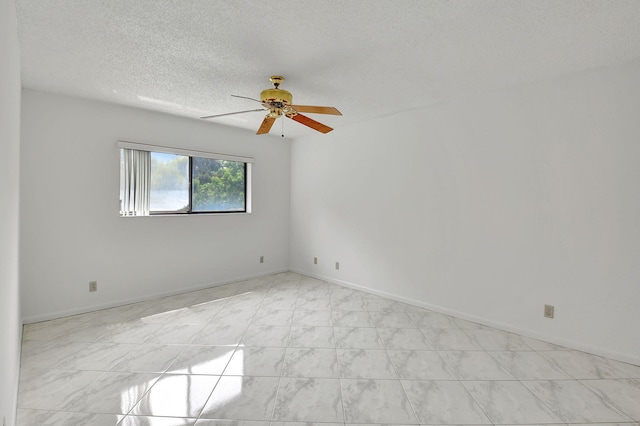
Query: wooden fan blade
(302,119)
(265,127)
(316,109)
(231,113)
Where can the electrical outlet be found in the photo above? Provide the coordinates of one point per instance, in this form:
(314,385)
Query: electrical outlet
(337,265)
(315,260)
(261,259)
(93,285)
(548,311)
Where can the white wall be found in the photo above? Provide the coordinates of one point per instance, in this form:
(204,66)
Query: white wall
(71,232)
(489,207)
(10,323)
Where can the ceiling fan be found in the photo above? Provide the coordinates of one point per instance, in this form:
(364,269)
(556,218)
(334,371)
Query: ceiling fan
(278,102)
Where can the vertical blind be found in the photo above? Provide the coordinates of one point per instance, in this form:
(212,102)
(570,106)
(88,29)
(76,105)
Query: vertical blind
(136,182)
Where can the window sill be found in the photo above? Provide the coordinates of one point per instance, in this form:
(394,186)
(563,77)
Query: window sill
(189,214)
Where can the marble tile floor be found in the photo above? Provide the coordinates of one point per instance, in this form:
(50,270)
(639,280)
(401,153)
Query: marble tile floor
(286,349)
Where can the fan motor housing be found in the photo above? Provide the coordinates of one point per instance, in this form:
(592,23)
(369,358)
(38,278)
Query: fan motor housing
(276,96)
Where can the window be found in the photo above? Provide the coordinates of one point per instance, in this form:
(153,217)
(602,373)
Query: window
(159,180)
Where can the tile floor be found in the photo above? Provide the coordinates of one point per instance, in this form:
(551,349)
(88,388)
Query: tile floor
(286,349)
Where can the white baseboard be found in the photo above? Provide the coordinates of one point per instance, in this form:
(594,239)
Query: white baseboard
(618,356)
(121,302)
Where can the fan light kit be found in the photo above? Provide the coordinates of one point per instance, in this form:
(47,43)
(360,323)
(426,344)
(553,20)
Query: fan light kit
(279,103)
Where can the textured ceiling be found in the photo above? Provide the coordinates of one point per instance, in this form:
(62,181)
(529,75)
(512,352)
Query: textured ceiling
(367,58)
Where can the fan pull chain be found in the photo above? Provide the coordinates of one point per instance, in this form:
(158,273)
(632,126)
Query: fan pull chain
(282,132)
